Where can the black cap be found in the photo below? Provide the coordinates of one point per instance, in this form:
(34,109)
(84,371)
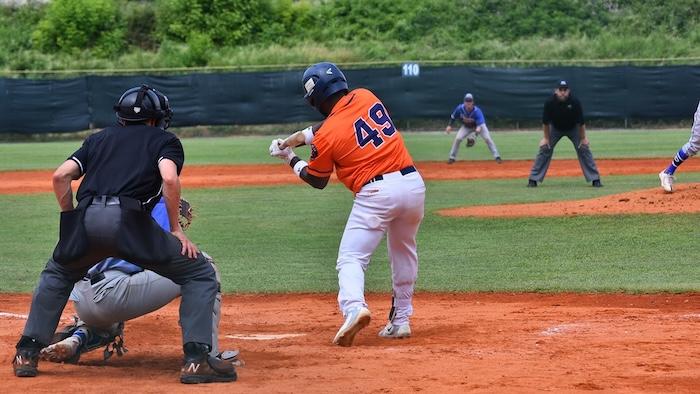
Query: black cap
(562,84)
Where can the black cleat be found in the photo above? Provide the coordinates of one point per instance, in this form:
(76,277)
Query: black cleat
(498,160)
(450,161)
(597,183)
(26,362)
(531,183)
(200,367)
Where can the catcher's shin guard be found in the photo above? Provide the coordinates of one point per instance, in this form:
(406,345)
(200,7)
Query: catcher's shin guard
(64,347)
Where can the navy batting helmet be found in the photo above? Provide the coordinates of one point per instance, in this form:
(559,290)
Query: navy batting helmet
(143,103)
(321,81)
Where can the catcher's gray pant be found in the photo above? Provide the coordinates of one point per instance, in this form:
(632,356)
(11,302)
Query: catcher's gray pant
(102,224)
(120,297)
(544,156)
(464,132)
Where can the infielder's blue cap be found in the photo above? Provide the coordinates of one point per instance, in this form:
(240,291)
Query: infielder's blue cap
(468,97)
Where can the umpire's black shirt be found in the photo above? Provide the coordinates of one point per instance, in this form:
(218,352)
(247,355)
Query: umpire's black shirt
(563,115)
(123,161)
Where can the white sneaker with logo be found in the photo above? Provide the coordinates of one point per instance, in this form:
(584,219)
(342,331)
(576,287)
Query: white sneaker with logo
(395,331)
(666,181)
(355,320)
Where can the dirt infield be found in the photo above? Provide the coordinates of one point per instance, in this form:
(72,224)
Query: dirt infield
(686,198)
(20,182)
(482,342)
(462,342)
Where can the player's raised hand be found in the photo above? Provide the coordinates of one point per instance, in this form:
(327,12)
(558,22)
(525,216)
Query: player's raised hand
(275,147)
(285,154)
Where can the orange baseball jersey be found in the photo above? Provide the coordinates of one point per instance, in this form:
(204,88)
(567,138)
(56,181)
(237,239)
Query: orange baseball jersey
(360,140)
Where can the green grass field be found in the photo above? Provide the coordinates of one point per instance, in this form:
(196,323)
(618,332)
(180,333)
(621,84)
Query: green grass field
(285,238)
(520,145)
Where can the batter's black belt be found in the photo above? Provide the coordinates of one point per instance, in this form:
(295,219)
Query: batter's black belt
(403,171)
(125,202)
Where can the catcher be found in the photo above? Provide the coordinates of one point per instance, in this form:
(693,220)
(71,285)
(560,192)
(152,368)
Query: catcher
(115,291)
(473,125)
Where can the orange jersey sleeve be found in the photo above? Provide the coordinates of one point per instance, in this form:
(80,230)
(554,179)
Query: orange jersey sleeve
(359,140)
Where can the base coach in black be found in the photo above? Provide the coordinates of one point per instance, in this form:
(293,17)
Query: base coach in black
(125,171)
(563,116)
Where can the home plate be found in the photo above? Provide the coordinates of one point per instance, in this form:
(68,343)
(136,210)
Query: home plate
(263,337)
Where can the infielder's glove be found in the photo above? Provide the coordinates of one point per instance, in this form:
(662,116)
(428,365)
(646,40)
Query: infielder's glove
(186,215)
(470,142)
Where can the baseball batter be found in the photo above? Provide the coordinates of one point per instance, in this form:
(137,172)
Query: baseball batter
(690,149)
(360,141)
(473,125)
(115,291)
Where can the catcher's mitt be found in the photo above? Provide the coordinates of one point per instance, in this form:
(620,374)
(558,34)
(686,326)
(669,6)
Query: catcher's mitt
(185,216)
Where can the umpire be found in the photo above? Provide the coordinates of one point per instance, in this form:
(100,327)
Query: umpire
(561,116)
(126,169)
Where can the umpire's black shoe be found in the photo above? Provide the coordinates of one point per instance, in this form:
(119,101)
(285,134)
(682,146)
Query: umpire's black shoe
(26,362)
(200,367)
(597,183)
(531,183)
(26,359)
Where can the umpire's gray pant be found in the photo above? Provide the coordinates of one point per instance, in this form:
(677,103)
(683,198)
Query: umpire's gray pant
(544,156)
(196,278)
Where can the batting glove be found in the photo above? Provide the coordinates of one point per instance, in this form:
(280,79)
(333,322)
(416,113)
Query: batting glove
(286,154)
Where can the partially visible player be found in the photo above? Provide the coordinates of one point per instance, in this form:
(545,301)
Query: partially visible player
(473,125)
(115,291)
(690,149)
(359,140)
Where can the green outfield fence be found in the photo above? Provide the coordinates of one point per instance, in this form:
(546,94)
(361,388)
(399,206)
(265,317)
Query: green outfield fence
(426,91)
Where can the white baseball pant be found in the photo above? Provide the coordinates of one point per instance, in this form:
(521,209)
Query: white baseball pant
(692,147)
(392,206)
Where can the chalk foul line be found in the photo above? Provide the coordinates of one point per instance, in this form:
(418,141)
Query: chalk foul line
(264,337)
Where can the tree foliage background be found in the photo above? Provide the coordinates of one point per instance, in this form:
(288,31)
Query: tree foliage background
(117,34)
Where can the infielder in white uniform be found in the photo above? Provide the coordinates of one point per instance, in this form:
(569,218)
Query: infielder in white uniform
(690,149)
(473,125)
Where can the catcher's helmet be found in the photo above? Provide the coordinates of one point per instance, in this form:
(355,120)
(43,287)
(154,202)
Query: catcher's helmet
(321,81)
(144,103)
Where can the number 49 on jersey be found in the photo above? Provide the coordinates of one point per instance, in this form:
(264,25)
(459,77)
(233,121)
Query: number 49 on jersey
(365,133)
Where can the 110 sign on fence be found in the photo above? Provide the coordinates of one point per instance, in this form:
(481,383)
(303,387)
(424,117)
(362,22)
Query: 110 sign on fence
(410,70)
